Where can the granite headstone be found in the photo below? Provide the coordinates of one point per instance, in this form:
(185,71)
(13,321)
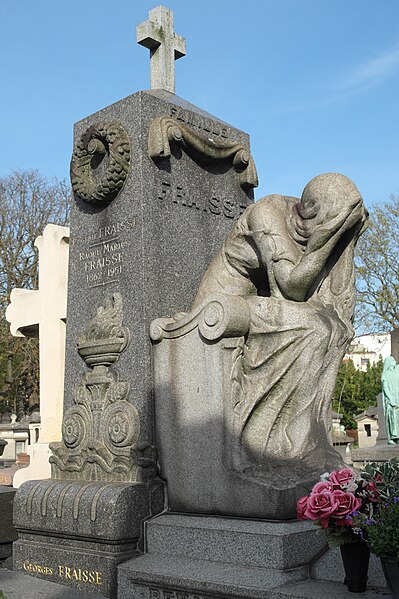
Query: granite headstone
(157,185)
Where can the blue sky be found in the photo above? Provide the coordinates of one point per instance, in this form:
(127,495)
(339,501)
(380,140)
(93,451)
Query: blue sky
(314,82)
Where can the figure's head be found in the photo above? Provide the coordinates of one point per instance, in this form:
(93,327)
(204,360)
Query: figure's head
(389,363)
(325,195)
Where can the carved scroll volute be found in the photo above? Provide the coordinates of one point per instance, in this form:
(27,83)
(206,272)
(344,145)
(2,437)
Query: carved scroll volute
(220,316)
(107,144)
(166,130)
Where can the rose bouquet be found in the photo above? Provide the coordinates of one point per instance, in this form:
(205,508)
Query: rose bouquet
(335,501)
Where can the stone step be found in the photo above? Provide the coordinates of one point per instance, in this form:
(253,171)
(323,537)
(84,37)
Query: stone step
(235,541)
(198,577)
(16,585)
(154,576)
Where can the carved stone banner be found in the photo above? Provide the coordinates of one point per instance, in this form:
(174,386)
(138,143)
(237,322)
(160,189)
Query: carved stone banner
(165,131)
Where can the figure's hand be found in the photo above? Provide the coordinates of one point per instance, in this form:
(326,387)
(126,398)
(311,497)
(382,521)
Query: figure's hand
(331,231)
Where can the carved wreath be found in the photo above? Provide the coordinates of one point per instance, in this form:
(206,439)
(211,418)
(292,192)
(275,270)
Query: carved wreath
(104,140)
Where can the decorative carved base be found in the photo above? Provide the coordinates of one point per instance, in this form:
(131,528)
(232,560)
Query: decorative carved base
(101,431)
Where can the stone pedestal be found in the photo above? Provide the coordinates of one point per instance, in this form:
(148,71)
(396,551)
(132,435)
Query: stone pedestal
(76,533)
(198,438)
(219,557)
(378,453)
(192,557)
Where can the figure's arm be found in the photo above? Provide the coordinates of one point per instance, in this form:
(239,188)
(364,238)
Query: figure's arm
(296,275)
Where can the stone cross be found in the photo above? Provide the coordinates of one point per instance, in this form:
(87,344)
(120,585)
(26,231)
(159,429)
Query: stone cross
(42,313)
(165,47)
(395,344)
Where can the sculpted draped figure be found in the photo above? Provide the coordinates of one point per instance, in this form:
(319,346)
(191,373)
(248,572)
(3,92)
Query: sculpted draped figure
(390,398)
(292,259)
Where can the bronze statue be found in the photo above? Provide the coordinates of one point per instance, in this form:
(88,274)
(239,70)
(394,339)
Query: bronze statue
(390,398)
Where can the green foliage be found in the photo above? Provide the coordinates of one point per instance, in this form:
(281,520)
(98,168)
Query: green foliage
(377,274)
(341,536)
(356,390)
(385,475)
(381,529)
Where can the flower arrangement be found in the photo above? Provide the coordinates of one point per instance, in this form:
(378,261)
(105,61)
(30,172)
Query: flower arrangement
(380,526)
(334,502)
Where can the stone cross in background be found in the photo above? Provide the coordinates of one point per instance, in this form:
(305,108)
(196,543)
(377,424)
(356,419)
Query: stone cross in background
(395,344)
(165,47)
(42,313)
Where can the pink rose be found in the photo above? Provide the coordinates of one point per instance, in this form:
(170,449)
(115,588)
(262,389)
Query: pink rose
(320,507)
(301,507)
(340,478)
(347,503)
(322,487)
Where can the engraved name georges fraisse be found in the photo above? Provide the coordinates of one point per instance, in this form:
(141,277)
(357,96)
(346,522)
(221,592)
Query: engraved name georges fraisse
(67,572)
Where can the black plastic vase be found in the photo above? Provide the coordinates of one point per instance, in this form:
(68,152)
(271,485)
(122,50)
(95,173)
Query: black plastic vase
(355,557)
(391,571)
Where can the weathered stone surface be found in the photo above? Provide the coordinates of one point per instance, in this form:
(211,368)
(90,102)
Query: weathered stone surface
(89,527)
(8,533)
(166,46)
(257,434)
(277,545)
(16,585)
(153,242)
(221,556)
(143,229)
(189,557)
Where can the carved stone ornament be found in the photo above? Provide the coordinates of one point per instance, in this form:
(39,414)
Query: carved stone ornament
(100,163)
(101,430)
(166,130)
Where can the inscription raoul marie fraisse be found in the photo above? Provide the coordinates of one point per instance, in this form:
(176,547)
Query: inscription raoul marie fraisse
(178,195)
(103,259)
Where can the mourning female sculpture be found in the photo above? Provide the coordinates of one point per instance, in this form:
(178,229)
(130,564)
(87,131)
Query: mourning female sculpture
(282,286)
(293,261)
(390,398)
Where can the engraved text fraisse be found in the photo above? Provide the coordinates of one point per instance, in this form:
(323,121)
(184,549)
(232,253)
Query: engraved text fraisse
(176,194)
(103,259)
(78,574)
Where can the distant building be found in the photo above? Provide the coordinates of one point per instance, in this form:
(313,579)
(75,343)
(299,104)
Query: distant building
(368,349)
(367,427)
